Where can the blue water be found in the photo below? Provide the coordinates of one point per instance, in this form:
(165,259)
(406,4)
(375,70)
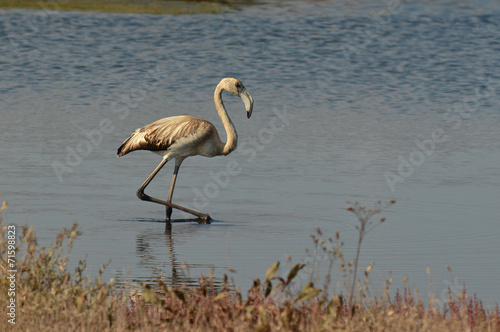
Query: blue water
(360,101)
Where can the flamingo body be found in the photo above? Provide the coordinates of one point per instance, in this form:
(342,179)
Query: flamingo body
(175,137)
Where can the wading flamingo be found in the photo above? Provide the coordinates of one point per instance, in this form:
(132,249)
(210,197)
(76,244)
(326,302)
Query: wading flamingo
(179,137)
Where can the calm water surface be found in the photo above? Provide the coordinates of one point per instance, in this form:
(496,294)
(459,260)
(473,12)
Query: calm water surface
(353,102)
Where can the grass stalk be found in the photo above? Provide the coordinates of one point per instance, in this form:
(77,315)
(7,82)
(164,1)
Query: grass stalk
(364,216)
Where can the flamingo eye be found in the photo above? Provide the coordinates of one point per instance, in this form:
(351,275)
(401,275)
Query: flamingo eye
(238,85)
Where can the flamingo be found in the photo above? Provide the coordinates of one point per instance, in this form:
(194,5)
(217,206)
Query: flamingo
(179,137)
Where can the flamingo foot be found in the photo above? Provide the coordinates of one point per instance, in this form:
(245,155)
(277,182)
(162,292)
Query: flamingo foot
(204,219)
(169,213)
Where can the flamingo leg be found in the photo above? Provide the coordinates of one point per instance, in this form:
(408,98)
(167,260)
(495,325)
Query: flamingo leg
(140,191)
(205,218)
(171,191)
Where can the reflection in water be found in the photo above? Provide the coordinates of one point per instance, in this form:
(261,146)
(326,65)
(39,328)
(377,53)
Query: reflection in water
(156,252)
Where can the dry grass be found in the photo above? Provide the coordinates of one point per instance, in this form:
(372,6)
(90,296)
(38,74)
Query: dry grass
(131,6)
(51,298)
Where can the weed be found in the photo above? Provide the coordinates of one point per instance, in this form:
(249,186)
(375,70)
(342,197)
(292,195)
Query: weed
(366,225)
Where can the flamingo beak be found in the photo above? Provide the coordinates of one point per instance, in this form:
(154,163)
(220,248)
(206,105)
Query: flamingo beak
(248,101)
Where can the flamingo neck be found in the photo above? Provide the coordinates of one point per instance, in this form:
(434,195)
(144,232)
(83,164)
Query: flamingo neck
(232,136)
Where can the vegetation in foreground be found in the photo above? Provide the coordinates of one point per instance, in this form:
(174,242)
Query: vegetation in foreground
(49,297)
(132,6)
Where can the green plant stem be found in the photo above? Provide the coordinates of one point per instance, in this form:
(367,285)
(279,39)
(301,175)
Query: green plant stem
(360,239)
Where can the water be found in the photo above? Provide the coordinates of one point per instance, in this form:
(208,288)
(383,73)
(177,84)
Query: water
(353,102)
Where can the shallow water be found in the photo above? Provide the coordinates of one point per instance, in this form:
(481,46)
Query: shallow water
(353,102)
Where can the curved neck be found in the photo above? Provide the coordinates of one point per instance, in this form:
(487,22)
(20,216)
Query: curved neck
(232,136)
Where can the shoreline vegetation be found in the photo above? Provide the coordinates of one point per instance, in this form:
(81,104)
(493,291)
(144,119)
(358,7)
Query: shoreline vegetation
(171,7)
(42,294)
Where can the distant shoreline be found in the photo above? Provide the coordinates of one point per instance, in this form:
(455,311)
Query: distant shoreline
(129,6)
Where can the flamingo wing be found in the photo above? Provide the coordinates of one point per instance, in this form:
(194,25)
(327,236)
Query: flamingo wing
(161,134)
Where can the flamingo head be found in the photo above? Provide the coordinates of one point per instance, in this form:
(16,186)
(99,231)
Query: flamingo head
(235,87)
